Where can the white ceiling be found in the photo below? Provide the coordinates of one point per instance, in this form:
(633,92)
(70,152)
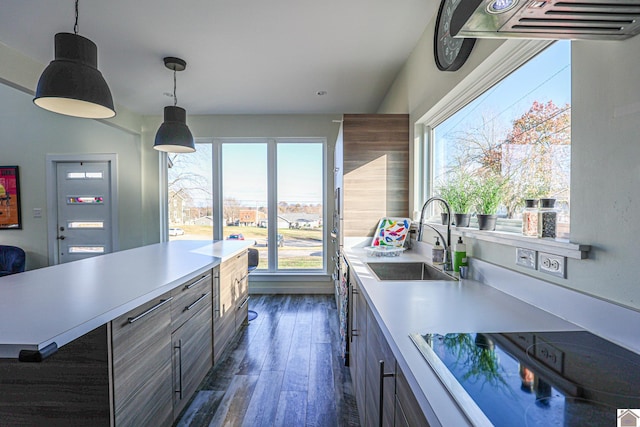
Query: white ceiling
(243,56)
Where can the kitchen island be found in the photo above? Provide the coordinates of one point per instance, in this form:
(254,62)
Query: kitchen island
(113,329)
(436,308)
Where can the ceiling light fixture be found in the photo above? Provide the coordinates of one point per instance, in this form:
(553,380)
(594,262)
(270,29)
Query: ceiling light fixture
(72,84)
(174,136)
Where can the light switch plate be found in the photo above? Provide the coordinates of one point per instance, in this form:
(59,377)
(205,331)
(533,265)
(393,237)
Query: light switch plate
(526,258)
(552,264)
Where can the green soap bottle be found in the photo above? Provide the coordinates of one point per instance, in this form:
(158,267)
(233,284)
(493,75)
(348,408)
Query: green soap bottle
(459,255)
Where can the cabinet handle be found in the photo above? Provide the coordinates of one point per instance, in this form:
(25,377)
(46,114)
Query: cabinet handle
(354,333)
(155,307)
(190,306)
(354,291)
(383,375)
(246,300)
(179,348)
(191,285)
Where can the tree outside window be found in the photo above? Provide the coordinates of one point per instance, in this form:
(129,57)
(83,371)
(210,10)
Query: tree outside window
(519,133)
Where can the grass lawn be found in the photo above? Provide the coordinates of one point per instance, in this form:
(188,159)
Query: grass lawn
(288,258)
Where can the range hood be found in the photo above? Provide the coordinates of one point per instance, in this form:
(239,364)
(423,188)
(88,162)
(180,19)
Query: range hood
(552,19)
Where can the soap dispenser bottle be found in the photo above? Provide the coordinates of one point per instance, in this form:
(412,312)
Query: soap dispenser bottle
(459,255)
(437,253)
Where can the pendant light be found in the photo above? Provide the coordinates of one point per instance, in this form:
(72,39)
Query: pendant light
(72,84)
(173,135)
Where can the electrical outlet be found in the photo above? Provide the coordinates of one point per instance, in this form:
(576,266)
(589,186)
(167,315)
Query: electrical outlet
(526,258)
(552,264)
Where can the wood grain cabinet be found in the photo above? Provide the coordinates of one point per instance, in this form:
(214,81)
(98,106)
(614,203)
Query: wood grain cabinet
(191,338)
(241,282)
(141,352)
(137,370)
(358,352)
(372,168)
(383,395)
(408,412)
(230,296)
(380,376)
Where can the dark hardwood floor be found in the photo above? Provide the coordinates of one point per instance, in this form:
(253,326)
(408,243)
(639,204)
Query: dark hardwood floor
(283,369)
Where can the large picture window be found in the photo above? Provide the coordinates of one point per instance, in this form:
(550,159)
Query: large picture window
(516,135)
(265,191)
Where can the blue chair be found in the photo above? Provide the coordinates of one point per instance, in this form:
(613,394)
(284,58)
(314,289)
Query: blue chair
(12,260)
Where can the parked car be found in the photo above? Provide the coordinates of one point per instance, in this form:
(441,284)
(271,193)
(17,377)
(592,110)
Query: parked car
(238,236)
(176,231)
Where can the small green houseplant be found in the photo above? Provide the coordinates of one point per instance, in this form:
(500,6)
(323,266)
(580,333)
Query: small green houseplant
(458,192)
(489,192)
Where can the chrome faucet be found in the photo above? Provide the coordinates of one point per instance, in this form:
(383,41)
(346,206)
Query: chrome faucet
(448,265)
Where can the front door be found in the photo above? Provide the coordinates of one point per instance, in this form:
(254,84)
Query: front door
(84,198)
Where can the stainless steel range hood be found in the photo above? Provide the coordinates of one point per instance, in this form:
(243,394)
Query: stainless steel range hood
(552,19)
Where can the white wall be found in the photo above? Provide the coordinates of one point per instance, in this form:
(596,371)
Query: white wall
(29,133)
(605,182)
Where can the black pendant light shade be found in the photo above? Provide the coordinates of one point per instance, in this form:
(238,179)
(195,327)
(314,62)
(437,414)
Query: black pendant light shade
(72,84)
(173,135)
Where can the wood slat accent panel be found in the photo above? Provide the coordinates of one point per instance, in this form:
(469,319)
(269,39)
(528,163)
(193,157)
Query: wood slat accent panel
(375,170)
(143,387)
(70,388)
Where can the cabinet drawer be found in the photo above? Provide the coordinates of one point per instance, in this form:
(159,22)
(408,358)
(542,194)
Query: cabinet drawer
(192,355)
(188,298)
(410,408)
(141,351)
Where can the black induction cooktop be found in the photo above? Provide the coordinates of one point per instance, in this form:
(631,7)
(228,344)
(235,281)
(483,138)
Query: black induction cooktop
(569,378)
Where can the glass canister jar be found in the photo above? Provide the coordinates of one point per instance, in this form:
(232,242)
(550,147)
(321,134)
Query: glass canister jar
(530,218)
(547,218)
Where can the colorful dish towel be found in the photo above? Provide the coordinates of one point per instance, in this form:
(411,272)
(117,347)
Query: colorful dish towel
(391,232)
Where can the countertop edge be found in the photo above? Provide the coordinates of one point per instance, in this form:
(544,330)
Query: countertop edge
(212,254)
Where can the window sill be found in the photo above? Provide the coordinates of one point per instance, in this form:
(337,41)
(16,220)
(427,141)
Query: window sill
(562,247)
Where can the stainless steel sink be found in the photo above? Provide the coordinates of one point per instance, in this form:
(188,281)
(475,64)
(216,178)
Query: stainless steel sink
(405,271)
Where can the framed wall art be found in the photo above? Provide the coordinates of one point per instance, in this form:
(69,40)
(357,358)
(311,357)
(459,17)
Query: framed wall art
(10,216)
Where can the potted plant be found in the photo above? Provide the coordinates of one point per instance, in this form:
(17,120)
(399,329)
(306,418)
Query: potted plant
(489,193)
(457,191)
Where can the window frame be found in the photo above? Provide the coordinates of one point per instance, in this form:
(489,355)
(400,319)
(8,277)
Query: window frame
(510,56)
(272,199)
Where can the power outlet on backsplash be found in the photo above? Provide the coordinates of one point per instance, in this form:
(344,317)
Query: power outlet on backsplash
(526,258)
(552,264)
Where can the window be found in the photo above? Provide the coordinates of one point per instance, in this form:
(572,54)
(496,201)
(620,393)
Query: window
(190,201)
(299,224)
(245,195)
(519,133)
(270,190)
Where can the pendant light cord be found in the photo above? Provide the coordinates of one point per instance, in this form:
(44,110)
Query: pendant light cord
(75,27)
(175,97)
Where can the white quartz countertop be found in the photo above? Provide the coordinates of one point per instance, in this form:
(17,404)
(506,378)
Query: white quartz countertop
(63,302)
(442,307)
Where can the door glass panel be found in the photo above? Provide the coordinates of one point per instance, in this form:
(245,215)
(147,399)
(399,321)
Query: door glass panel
(86,249)
(244,191)
(86,200)
(85,224)
(300,222)
(190,196)
(84,175)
